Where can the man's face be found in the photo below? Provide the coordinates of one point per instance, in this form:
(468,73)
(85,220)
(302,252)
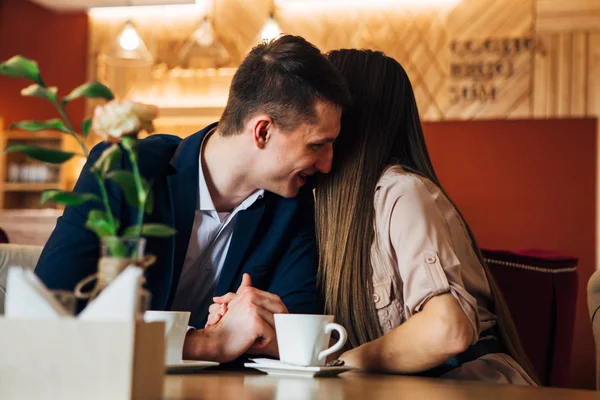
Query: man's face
(291,157)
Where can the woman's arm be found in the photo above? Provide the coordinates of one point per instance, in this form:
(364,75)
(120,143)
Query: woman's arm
(441,316)
(429,338)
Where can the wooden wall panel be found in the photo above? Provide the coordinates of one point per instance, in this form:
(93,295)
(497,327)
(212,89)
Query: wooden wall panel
(567,15)
(559,79)
(563,75)
(593,84)
(516,95)
(553,57)
(480,19)
(541,79)
(497,20)
(579,77)
(419,38)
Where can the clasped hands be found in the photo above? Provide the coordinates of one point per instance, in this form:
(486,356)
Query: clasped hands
(242,322)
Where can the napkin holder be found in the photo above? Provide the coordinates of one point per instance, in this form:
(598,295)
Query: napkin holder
(104,353)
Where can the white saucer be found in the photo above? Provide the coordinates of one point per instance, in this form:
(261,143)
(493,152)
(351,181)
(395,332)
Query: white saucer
(189,366)
(276,367)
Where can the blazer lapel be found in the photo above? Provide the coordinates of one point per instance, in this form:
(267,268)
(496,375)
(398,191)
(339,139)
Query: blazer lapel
(183,195)
(245,227)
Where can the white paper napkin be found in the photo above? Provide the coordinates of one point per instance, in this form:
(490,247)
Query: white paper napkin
(27,297)
(119,301)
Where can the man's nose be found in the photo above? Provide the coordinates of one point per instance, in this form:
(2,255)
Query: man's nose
(323,164)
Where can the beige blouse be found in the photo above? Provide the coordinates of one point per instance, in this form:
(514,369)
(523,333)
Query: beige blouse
(421,250)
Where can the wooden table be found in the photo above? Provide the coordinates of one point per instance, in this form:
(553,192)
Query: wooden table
(222,385)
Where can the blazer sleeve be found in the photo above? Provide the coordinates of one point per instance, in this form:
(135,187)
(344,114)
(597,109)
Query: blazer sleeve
(295,278)
(72,251)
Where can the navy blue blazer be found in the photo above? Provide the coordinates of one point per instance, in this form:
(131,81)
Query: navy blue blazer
(273,240)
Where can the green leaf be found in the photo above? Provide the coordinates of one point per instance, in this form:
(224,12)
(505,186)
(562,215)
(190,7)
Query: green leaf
(150,230)
(42,92)
(107,159)
(157,230)
(40,153)
(126,182)
(67,198)
(90,90)
(98,223)
(128,142)
(149,201)
(35,126)
(86,126)
(21,67)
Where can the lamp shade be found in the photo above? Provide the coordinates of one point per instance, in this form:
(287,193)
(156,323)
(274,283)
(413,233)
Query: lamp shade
(129,45)
(203,49)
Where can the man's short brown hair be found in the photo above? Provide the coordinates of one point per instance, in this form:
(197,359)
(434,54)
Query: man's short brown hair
(282,78)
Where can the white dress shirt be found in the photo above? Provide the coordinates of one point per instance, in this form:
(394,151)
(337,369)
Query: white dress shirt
(206,253)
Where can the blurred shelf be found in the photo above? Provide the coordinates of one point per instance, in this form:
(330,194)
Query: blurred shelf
(30,186)
(27,195)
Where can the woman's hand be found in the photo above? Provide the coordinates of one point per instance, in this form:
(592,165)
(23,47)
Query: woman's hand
(351,358)
(217,310)
(267,304)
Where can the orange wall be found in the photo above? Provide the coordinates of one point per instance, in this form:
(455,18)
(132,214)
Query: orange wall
(58,42)
(528,184)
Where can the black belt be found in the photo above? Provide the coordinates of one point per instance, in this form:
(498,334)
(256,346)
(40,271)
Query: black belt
(487,345)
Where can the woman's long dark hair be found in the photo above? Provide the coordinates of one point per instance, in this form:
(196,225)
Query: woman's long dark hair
(381,128)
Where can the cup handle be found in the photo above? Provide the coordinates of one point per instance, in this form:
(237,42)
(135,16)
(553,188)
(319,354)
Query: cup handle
(340,343)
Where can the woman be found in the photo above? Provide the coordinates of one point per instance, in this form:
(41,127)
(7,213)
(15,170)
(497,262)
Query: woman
(399,267)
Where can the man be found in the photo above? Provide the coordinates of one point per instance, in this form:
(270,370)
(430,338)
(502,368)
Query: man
(236,194)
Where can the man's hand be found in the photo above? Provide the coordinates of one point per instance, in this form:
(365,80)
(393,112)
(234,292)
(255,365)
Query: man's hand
(219,307)
(242,327)
(268,301)
(266,305)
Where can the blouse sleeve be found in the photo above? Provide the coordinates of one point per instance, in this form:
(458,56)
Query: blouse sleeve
(424,249)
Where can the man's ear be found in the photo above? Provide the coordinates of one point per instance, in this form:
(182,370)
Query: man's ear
(261,130)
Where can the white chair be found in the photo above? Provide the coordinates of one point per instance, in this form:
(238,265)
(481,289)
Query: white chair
(22,255)
(593,292)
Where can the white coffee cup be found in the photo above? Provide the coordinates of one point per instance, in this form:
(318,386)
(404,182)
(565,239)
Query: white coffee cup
(303,339)
(176,323)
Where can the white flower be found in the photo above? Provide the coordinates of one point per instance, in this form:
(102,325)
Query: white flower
(121,117)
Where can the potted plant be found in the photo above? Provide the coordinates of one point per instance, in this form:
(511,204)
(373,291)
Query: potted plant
(117,122)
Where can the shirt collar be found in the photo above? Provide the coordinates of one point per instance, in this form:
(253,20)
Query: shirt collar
(205,202)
